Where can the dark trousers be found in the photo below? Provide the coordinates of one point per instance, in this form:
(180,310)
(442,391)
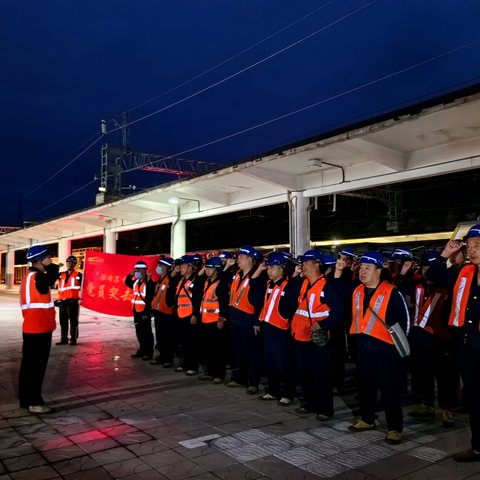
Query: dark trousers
(314,372)
(213,349)
(35,354)
(278,353)
(338,346)
(165,335)
(470,371)
(380,368)
(143,329)
(188,342)
(247,354)
(68,312)
(433,359)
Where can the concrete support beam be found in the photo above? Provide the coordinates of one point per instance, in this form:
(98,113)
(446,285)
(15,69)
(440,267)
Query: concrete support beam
(64,250)
(178,237)
(10,269)
(109,241)
(299,222)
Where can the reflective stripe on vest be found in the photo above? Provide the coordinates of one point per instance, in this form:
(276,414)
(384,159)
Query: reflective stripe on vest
(239,294)
(270,313)
(38,310)
(71,288)
(210,307)
(461,291)
(184,300)
(313,305)
(429,315)
(159,301)
(367,323)
(139,293)
(419,299)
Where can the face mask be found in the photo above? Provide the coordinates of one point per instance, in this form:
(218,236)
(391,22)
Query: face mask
(138,275)
(159,270)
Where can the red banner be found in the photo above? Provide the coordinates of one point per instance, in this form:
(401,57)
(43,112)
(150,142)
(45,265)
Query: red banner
(104,288)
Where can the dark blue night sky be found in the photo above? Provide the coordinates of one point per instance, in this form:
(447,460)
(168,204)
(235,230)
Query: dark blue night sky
(68,64)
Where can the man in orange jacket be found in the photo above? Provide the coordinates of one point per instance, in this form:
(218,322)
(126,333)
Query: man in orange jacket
(38,324)
(377,304)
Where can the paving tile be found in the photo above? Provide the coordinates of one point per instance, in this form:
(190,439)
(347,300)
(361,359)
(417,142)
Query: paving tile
(38,473)
(64,453)
(74,465)
(159,459)
(24,462)
(146,448)
(93,474)
(213,460)
(132,437)
(87,436)
(104,457)
(125,468)
(298,456)
(97,445)
(237,472)
(181,470)
(274,468)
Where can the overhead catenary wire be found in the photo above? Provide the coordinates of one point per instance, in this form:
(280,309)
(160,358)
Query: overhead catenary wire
(289,114)
(245,69)
(233,57)
(212,85)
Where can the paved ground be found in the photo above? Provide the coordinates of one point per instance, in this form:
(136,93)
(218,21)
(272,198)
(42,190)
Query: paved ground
(119,417)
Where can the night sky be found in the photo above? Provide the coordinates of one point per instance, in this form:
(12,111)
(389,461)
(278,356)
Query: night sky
(66,65)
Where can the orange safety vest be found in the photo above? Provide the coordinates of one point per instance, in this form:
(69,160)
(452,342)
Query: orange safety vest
(461,292)
(159,300)
(139,294)
(69,289)
(210,308)
(310,309)
(184,300)
(38,309)
(368,323)
(239,294)
(427,310)
(270,313)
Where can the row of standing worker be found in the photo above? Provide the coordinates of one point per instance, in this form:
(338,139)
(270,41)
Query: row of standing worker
(296,320)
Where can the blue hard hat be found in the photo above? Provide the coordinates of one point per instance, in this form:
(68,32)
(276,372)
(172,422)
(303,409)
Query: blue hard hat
(375,258)
(188,259)
(37,252)
(214,262)
(248,250)
(166,261)
(225,254)
(197,257)
(329,260)
(401,254)
(314,255)
(348,252)
(140,264)
(277,258)
(428,257)
(71,259)
(473,232)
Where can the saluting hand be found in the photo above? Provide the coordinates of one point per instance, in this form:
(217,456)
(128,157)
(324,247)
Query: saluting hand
(452,246)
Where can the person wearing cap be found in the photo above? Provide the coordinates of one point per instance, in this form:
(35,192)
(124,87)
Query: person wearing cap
(430,339)
(278,347)
(213,311)
(315,308)
(162,311)
(374,304)
(464,318)
(246,302)
(38,313)
(188,296)
(69,285)
(143,292)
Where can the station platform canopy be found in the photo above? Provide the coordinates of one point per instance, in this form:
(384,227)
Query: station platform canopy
(426,140)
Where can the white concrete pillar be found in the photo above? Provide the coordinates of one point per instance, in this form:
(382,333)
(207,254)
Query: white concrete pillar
(299,222)
(178,240)
(64,250)
(10,269)
(109,241)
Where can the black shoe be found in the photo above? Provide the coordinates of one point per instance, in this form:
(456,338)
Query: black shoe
(147,357)
(73,342)
(167,365)
(62,342)
(155,362)
(468,456)
(302,410)
(136,355)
